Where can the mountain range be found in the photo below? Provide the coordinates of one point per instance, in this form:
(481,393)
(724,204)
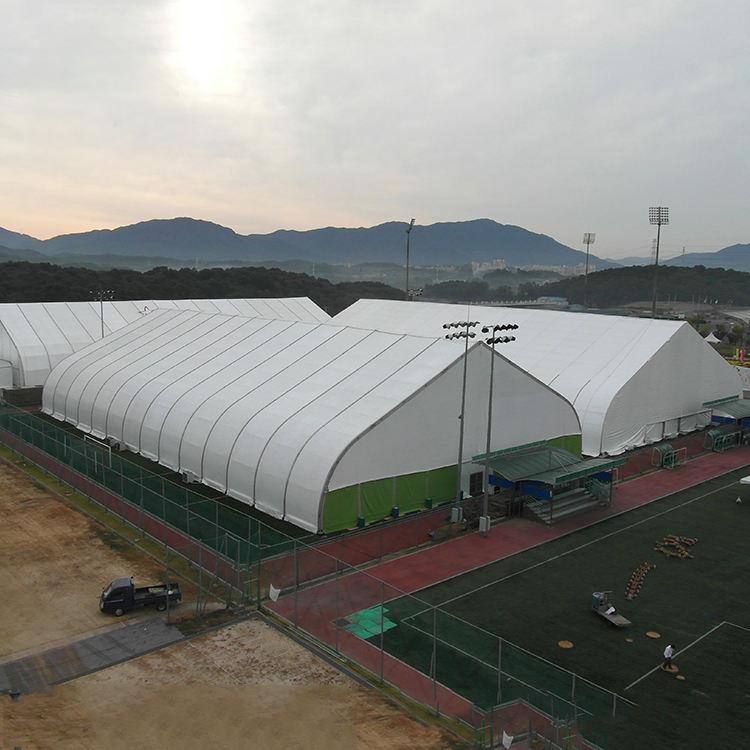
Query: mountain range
(447,243)
(167,241)
(732,258)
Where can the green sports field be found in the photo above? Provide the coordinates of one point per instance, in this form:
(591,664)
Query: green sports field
(537,598)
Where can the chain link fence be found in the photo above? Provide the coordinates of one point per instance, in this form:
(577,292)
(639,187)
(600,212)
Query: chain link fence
(437,658)
(321,586)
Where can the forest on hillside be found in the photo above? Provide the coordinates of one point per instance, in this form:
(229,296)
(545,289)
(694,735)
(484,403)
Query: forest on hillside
(45,282)
(620,286)
(615,287)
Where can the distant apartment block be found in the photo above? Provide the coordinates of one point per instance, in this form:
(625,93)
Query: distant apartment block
(577,270)
(479,267)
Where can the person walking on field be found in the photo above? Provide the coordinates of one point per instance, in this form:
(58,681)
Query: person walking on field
(668,654)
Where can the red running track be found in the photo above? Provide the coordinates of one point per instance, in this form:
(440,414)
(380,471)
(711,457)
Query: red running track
(428,566)
(316,608)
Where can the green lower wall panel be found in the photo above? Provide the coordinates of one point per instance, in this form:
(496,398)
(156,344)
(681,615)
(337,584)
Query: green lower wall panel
(570,443)
(341,507)
(374,500)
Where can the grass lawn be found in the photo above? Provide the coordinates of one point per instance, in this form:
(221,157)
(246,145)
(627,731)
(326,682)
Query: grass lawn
(539,597)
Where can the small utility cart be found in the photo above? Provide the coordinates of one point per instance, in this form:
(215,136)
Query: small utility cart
(122,595)
(602,606)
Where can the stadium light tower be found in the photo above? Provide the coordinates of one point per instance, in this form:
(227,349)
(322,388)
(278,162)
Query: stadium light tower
(101,295)
(658,215)
(463,331)
(493,340)
(588,240)
(408,236)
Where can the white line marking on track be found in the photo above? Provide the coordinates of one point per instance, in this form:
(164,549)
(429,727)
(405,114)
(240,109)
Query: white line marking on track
(683,650)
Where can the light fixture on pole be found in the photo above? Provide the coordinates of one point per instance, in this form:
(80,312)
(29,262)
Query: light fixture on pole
(588,240)
(463,332)
(102,295)
(493,340)
(408,236)
(658,215)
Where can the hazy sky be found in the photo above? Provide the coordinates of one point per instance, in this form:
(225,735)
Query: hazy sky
(561,116)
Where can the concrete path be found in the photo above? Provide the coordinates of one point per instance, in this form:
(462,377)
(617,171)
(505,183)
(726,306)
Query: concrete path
(37,672)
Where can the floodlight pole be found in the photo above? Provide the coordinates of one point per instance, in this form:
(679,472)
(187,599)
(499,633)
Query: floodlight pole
(101,295)
(493,340)
(461,422)
(657,215)
(408,236)
(588,240)
(465,334)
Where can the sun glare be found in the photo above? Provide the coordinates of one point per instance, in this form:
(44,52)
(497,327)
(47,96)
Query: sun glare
(205,50)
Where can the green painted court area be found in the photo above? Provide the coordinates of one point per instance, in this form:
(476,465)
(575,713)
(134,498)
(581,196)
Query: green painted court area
(514,612)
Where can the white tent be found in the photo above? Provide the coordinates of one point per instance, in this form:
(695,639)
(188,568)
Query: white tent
(712,339)
(6,374)
(632,381)
(35,336)
(315,423)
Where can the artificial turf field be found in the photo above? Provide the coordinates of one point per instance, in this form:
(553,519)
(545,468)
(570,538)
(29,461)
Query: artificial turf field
(539,597)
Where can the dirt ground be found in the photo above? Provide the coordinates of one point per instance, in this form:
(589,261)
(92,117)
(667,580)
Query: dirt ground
(244,686)
(54,562)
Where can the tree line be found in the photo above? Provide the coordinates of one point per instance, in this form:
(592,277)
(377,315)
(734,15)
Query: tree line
(46,282)
(615,287)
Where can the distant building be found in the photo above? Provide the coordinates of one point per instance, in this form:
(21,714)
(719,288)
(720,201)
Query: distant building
(556,301)
(576,270)
(479,267)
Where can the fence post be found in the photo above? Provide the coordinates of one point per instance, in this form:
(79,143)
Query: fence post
(238,542)
(382,604)
(614,705)
(249,547)
(338,611)
(200,582)
(122,485)
(434,660)
(296,586)
(499,671)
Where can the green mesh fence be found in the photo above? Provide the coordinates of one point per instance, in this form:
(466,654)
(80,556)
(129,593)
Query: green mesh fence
(235,534)
(490,671)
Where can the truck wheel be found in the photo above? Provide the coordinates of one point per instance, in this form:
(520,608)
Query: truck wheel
(161,606)
(119,612)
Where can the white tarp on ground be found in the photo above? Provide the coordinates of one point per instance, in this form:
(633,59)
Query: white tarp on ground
(276,413)
(631,380)
(35,336)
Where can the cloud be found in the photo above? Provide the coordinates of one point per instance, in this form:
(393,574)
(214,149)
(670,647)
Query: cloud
(563,117)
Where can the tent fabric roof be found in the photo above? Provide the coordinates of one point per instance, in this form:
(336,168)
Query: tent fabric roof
(549,465)
(264,410)
(738,409)
(35,336)
(630,379)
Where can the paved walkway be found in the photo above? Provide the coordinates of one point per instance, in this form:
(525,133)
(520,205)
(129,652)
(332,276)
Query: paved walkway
(428,566)
(35,673)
